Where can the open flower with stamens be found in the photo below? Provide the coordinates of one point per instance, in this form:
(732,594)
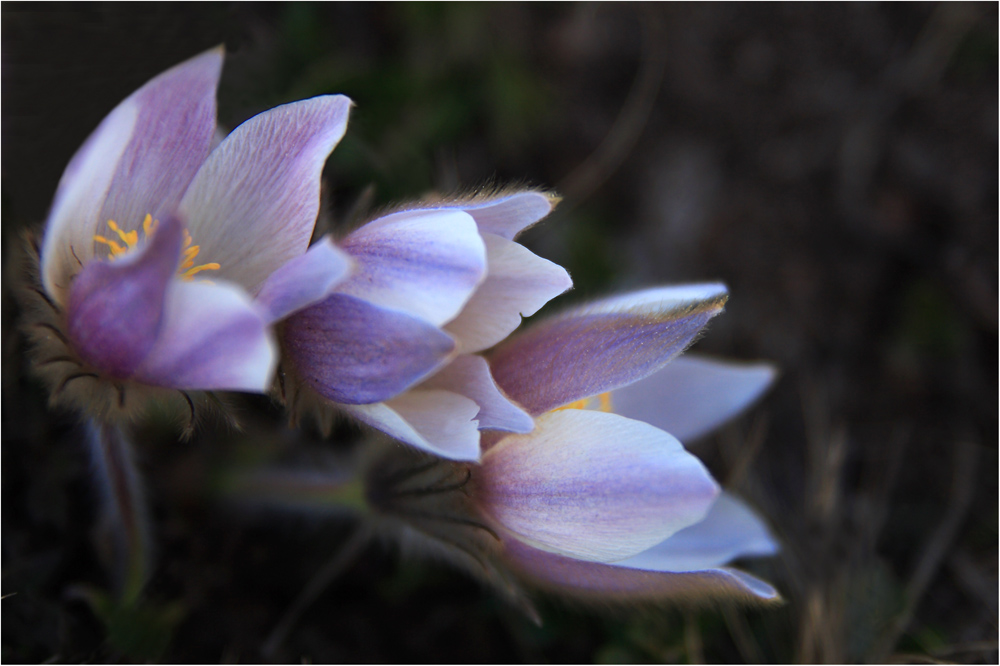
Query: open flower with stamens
(395,344)
(157,243)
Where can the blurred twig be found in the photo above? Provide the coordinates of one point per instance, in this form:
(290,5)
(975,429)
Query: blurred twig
(963,485)
(629,124)
(315,587)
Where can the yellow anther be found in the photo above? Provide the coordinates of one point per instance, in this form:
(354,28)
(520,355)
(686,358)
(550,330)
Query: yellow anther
(576,404)
(149,225)
(130,238)
(188,274)
(603,403)
(116,249)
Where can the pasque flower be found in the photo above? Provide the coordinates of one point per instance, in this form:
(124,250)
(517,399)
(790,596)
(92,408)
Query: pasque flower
(395,345)
(595,502)
(598,500)
(149,207)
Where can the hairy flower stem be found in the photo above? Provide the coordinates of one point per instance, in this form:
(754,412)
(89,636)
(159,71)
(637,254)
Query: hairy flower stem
(124,508)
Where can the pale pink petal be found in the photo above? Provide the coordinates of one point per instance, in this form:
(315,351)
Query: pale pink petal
(507,216)
(730,530)
(115,309)
(593,486)
(439,422)
(351,351)
(470,376)
(517,283)
(213,337)
(693,395)
(602,346)
(424,263)
(138,161)
(613,582)
(253,204)
(304,280)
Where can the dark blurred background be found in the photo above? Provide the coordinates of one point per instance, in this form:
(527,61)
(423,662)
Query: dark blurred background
(835,165)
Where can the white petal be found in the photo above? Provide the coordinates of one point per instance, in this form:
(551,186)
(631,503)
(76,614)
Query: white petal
(518,282)
(508,216)
(253,204)
(470,376)
(656,301)
(729,531)
(439,422)
(692,395)
(593,486)
(426,263)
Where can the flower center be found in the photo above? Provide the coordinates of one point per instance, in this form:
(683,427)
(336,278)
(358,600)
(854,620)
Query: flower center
(129,239)
(603,403)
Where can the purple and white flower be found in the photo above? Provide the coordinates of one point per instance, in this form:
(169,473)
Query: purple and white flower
(149,207)
(396,344)
(595,503)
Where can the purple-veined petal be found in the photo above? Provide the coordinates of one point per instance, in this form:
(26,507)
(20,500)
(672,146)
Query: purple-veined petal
(304,280)
(439,422)
(353,352)
(253,205)
(593,486)
(213,338)
(518,283)
(692,395)
(602,346)
(613,582)
(424,263)
(138,161)
(507,216)
(730,530)
(470,376)
(116,308)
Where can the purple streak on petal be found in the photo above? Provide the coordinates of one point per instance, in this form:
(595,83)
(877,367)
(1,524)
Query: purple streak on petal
(304,280)
(730,530)
(593,486)
(592,580)
(172,137)
(73,219)
(116,307)
(508,216)
(424,263)
(470,376)
(517,283)
(598,348)
(213,338)
(693,395)
(353,352)
(253,204)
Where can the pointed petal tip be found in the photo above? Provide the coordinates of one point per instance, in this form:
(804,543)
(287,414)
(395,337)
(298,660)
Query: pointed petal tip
(438,422)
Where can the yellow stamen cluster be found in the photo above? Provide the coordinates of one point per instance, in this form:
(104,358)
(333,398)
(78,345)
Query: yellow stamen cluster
(187,268)
(603,403)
